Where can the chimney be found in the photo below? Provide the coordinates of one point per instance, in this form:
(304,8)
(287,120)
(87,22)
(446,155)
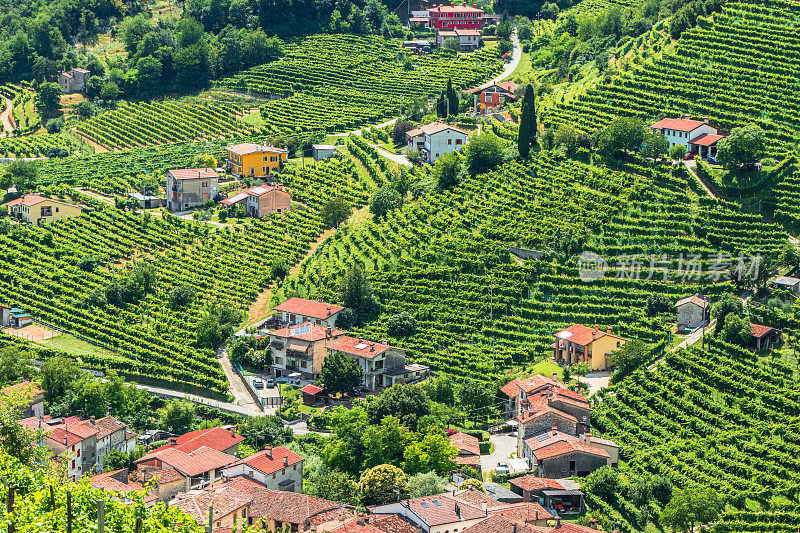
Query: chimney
(91,420)
(328,310)
(705,120)
(233,432)
(537,516)
(361,521)
(371,347)
(285,461)
(686,117)
(384,342)
(328,332)
(458,511)
(594,333)
(593,523)
(608,329)
(485,508)
(555,430)
(360,340)
(173,441)
(268,452)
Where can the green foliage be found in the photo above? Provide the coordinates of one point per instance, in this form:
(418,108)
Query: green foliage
(338,487)
(743,147)
(654,145)
(385,442)
(729,303)
(736,330)
(426,484)
(622,134)
(484,152)
(340,373)
(603,482)
(355,292)
(447,170)
(432,453)
(335,212)
(401,325)
(54,125)
(475,484)
(677,152)
(657,303)
(181,296)
(378,485)
(384,201)
(48,98)
(408,403)
(527,124)
(690,506)
(177,416)
(57,376)
(15,364)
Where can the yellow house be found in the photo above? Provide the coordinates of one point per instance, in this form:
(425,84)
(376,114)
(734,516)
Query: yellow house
(578,344)
(36,209)
(255,160)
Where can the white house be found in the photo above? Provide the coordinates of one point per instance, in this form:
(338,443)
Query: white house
(277,468)
(383,365)
(467,39)
(435,140)
(698,136)
(298,310)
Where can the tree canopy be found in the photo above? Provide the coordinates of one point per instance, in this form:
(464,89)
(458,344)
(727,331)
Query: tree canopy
(340,373)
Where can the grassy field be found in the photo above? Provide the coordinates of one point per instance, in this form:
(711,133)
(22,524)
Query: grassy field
(70,343)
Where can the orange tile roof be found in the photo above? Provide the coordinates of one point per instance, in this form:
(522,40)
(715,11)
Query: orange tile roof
(198,462)
(309,308)
(582,335)
(467,443)
(454,9)
(197,503)
(306,331)
(533,482)
(759,331)
(680,124)
(23,388)
(562,448)
(706,139)
(441,509)
(695,299)
(29,200)
(218,438)
(273,462)
(529,385)
(358,347)
(193,173)
(105,481)
(251,148)
(522,512)
(547,438)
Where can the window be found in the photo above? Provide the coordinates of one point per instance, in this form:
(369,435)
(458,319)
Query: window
(571,465)
(56,209)
(449,141)
(458,141)
(283,472)
(73,463)
(47,211)
(273,476)
(265,158)
(244,513)
(273,158)
(487,98)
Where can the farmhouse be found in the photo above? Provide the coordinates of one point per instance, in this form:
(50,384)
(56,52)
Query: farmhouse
(323,151)
(74,81)
(578,344)
(435,140)
(692,312)
(35,209)
(276,468)
(528,386)
(191,187)
(464,17)
(301,348)
(468,39)
(786,283)
(297,310)
(256,160)
(200,467)
(383,365)
(764,337)
(469,451)
(698,136)
(491,98)
(146,201)
(261,200)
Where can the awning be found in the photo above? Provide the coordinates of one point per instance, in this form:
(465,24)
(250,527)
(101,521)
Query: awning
(559,492)
(298,346)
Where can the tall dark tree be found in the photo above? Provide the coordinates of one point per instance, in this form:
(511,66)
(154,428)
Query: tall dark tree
(527,122)
(452,98)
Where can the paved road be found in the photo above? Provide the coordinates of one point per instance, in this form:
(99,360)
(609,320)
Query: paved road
(504,445)
(596,380)
(237,386)
(690,164)
(516,56)
(224,406)
(399,159)
(6,116)
(98,197)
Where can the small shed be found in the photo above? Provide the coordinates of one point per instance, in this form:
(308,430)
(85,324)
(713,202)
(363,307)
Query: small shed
(763,337)
(786,283)
(692,312)
(20,318)
(312,394)
(563,501)
(5,316)
(147,202)
(323,151)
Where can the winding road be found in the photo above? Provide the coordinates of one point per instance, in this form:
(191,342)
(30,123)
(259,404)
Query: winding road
(6,116)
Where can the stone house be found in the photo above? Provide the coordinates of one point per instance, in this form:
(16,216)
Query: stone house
(692,312)
(74,81)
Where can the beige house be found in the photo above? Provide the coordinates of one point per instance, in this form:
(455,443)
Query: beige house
(579,343)
(301,349)
(191,187)
(383,365)
(35,209)
(692,312)
(74,81)
(261,200)
(298,310)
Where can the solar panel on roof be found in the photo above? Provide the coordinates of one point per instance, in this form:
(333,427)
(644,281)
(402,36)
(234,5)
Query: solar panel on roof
(258,190)
(360,346)
(425,505)
(301,330)
(543,436)
(436,503)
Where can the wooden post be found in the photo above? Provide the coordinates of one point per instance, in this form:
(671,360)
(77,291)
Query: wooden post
(101,516)
(52,499)
(138,524)
(10,509)
(69,511)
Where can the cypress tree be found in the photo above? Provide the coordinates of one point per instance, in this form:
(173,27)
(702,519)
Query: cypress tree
(452,98)
(527,122)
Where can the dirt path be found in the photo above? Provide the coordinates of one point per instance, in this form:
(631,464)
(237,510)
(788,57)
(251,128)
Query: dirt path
(98,197)
(8,125)
(260,308)
(690,167)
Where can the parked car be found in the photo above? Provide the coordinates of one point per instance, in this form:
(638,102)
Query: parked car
(270,383)
(502,468)
(690,155)
(257,383)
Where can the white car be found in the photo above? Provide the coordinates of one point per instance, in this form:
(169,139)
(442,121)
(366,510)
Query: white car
(502,468)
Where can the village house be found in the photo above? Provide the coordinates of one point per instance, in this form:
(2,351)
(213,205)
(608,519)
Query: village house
(200,467)
(112,435)
(277,468)
(119,481)
(147,201)
(530,487)
(383,365)
(494,97)
(255,160)
(31,394)
(298,310)
(764,337)
(582,344)
(323,151)
(528,386)
(222,507)
(35,209)
(74,81)
(163,482)
(261,200)
(698,136)
(386,523)
(435,140)
(191,187)
(72,439)
(469,450)
(495,523)
(301,349)
(540,449)
(692,312)
(786,283)
(223,440)
(468,39)
(464,17)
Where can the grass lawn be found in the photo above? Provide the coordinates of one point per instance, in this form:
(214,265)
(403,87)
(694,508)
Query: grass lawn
(254,119)
(72,344)
(546,368)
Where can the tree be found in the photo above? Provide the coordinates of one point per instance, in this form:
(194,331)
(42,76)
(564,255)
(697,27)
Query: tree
(623,133)
(401,127)
(149,69)
(384,200)
(335,211)
(109,91)
(432,453)
(177,416)
(736,330)
(15,439)
(54,125)
(385,443)
(690,506)
(414,156)
(340,373)
(527,122)
(603,482)
(630,355)
(790,256)
(447,171)
(661,488)
(677,152)
(406,402)
(472,483)
(729,303)
(14,364)
(657,303)
(452,43)
(48,98)
(279,269)
(57,375)
(743,147)
(355,292)
(338,487)
(426,484)
(181,296)
(260,431)
(484,152)
(401,325)
(504,47)
(504,30)
(382,484)
(452,98)
(654,145)
(21,174)
(474,395)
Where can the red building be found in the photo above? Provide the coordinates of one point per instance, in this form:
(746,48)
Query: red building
(462,17)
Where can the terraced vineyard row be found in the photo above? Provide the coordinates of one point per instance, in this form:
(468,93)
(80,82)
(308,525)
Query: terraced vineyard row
(711,417)
(35,145)
(741,67)
(141,124)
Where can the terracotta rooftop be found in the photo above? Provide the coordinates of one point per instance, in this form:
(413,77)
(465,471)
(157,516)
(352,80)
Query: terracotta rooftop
(583,335)
(562,448)
(309,308)
(270,459)
(198,462)
(311,389)
(217,438)
(547,438)
(193,173)
(454,9)
(358,347)
(522,512)
(112,481)
(442,509)
(25,388)
(433,129)
(306,331)
(466,443)
(759,331)
(533,482)
(707,139)
(196,503)
(386,523)
(679,124)
(251,148)
(29,200)
(695,299)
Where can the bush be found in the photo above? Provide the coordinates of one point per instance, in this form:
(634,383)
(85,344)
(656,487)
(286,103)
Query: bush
(401,325)
(54,125)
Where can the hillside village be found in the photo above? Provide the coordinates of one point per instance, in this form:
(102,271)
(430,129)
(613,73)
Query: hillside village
(516,267)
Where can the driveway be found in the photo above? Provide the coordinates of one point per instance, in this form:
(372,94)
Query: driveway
(596,380)
(6,116)
(511,66)
(237,386)
(399,159)
(504,445)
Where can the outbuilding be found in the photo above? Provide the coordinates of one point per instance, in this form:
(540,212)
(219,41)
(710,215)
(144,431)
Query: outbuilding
(786,283)
(312,394)
(323,151)
(692,312)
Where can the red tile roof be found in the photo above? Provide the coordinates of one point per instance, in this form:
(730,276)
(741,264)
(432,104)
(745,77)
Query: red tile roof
(196,503)
(311,389)
(29,200)
(358,347)
(582,335)
(59,434)
(433,129)
(107,425)
(467,460)
(105,481)
(522,512)
(695,299)
(759,331)
(454,9)
(441,509)
(251,148)
(498,524)
(529,385)
(309,308)
(466,443)
(164,475)
(537,405)
(272,462)
(562,448)
(679,124)
(219,439)
(707,139)
(306,331)
(285,506)
(533,482)
(197,462)
(25,388)
(81,70)
(547,438)
(477,498)
(193,173)
(461,32)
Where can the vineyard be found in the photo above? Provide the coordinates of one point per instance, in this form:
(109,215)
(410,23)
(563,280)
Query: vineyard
(36,145)
(151,338)
(141,124)
(710,416)
(740,67)
(443,259)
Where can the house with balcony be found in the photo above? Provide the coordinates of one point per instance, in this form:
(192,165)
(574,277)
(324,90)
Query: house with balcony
(255,160)
(301,349)
(582,344)
(276,468)
(191,187)
(494,97)
(298,310)
(698,136)
(382,365)
(261,200)
(435,140)
(73,440)
(451,17)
